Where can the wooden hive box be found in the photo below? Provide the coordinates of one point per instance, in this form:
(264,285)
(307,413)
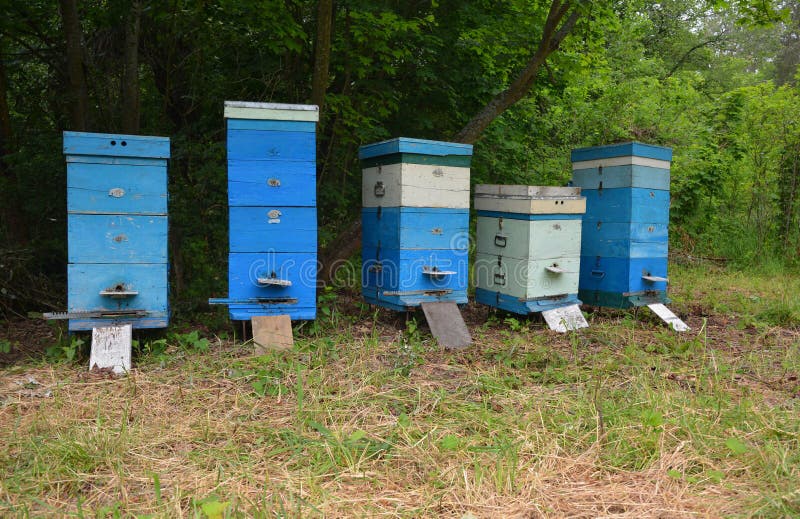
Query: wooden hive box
(625,230)
(415,222)
(117,230)
(528,247)
(272,261)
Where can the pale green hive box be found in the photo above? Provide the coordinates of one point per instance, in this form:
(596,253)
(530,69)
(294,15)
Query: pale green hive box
(528,246)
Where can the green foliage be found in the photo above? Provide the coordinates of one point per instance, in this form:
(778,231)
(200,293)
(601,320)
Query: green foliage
(191,341)
(70,351)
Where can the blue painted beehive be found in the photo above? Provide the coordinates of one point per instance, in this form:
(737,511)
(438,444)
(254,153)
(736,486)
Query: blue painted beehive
(272,261)
(415,222)
(117,230)
(624,239)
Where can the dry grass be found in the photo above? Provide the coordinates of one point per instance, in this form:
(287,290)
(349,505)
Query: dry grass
(623,420)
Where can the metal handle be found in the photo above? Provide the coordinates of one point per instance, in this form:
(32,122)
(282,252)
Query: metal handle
(500,240)
(116,192)
(434,271)
(376,267)
(599,274)
(118,291)
(274,182)
(272,280)
(379,189)
(500,279)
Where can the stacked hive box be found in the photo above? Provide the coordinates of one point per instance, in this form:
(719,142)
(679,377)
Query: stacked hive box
(272,264)
(415,222)
(117,230)
(624,247)
(529,241)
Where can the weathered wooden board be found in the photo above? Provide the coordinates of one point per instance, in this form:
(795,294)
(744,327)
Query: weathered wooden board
(117,145)
(521,239)
(628,160)
(272,332)
(528,206)
(116,189)
(415,185)
(527,192)
(270,111)
(101,238)
(526,279)
(415,228)
(273,228)
(447,325)
(111,348)
(415,146)
(565,318)
(668,317)
(267,182)
(622,150)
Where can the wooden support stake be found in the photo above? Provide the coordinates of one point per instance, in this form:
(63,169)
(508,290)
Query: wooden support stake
(272,332)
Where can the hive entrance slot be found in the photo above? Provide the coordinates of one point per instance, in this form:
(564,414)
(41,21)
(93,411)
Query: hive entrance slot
(118,291)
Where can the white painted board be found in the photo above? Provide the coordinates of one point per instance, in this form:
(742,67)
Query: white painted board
(574,205)
(522,191)
(111,348)
(415,185)
(565,319)
(621,161)
(668,317)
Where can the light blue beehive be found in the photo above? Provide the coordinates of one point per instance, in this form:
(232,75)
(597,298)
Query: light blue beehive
(625,229)
(117,230)
(272,261)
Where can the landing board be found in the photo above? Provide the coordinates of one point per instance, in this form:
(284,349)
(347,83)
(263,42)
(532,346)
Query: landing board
(111,348)
(447,325)
(668,317)
(564,319)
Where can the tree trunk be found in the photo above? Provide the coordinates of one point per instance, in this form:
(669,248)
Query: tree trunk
(552,36)
(322,54)
(78,96)
(130,73)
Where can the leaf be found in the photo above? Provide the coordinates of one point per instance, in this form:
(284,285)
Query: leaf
(403,420)
(214,509)
(357,435)
(715,476)
(736,445)
(449,442)
(675,474)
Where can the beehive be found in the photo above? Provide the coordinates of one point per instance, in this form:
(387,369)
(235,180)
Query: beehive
(117,230)
(415,222)
(272,261)
(528,247)
(625,229)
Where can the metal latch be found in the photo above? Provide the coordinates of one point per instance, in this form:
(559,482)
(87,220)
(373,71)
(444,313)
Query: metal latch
(380,190)
(500,279)
(500,240)
(274,182)
(118,291)
(434,271)
(273,281)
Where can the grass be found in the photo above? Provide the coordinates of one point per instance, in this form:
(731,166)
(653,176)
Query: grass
(364,419)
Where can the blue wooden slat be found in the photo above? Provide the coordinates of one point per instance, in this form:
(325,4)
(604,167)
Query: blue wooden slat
(622,275)
(153,320)
(240,312)
(618,300)
(87,280)
(632,175)
(116,189)
(272,125)
(620,240)
(121,161)
(415,228)
(116,238)
(513,304)
(402,270)
(530,217)
(244,269)
(417,146)
(265,182)
(254,229)
(271,145)
(627,205)
(403,303)
(115,145)
(622,150)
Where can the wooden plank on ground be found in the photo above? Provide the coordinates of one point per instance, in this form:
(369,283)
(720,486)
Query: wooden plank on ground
(447,324)
(272,332)
(111,348)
